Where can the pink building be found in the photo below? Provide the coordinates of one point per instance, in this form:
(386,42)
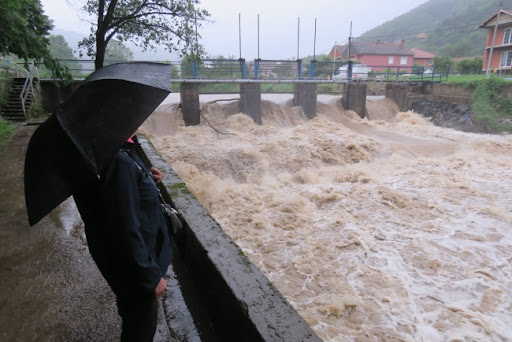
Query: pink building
(379,56)
(423,58)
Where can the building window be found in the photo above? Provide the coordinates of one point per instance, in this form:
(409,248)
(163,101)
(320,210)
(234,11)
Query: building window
(507,37)
(506,59)
(391,60)
(429,62)
(403,60)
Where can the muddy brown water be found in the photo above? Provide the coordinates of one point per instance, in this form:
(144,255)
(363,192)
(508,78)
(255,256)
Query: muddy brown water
(388,229)
(50,288)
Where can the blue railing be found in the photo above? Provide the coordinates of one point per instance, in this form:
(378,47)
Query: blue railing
(260,69)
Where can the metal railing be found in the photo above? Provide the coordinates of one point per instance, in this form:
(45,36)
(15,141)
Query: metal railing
(274,70)
(11,68)
(28,86)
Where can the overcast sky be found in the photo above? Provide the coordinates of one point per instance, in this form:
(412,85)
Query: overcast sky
(278,21)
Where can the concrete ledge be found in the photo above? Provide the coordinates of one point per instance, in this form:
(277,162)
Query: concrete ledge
(242,304)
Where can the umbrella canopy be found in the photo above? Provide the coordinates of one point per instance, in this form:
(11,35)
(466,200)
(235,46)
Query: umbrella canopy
(72,147)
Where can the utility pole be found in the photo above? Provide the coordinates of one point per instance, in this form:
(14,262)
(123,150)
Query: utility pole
(489,56)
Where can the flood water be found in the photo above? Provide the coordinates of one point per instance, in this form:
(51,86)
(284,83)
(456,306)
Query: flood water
(384,229)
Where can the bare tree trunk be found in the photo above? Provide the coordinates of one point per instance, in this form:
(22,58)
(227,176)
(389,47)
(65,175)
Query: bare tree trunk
(100,51)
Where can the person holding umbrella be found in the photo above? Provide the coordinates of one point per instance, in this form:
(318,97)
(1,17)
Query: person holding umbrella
(93,158)
(128,238)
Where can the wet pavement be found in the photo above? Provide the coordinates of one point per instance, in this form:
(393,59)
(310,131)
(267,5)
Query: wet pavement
(50,287)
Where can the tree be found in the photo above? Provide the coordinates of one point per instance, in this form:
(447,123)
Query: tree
(59,47)
(24,31)
(118,52)
(470,66)
(442,64)
(146,23)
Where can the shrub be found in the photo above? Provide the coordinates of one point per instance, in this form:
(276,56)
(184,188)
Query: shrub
(6,131)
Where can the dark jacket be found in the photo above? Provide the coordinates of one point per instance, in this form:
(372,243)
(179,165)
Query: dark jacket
(125,227)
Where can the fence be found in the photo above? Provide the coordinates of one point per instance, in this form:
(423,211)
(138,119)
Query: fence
(258,69)
(10,69)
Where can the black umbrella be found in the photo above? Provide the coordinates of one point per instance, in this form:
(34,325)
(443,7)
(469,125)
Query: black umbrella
(72,147)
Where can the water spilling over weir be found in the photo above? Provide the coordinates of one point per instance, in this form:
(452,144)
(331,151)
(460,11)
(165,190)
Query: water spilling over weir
(389,228)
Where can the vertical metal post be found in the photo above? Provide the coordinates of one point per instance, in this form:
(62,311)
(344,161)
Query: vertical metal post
(244,68)
(349,69)
(349,42)
(197,39)
(194,68)
(489,56)
(299,65)
(314,44)
(298,36)
(312,69)
(258,37)
(256,67)
(240,34)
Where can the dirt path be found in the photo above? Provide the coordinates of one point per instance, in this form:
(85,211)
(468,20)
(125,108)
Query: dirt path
(50,288)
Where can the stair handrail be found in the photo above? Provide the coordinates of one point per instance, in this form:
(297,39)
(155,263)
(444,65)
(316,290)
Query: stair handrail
(28,83)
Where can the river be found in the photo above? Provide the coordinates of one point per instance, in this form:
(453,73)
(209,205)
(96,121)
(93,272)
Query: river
(384,229)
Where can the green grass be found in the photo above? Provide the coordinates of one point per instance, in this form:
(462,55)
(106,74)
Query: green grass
(467,81)
(6,132)
(490,108)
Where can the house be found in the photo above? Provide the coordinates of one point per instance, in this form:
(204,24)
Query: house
(377,55)
(423,58)
(337,51)
(422,35)
(498,52)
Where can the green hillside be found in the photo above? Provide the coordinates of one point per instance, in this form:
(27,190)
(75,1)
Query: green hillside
(451,26)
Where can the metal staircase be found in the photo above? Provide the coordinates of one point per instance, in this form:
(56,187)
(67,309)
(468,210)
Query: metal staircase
(14,109)
(20,97)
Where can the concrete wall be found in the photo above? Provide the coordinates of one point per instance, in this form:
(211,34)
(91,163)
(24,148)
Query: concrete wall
(4,86)
(241,303)
(354,97)
(399,92)
(454,93)
(54,92)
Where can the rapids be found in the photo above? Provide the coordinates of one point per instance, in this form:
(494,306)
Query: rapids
(384,229)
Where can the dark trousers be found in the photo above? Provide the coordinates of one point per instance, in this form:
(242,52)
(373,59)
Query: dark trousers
(139,315)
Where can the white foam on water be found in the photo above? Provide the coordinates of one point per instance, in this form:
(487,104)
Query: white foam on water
(383,229)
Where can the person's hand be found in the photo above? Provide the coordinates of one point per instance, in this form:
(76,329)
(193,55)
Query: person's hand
(157,175)
(160,288)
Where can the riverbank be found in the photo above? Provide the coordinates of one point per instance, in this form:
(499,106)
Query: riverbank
(51,289)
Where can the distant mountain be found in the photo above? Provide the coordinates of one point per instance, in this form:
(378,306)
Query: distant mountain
(450,27)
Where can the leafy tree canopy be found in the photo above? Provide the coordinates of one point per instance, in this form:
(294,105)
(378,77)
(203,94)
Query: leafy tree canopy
(470,66)
(59,47)
(117,51)
(443,64)
(146,23)
(24,31)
